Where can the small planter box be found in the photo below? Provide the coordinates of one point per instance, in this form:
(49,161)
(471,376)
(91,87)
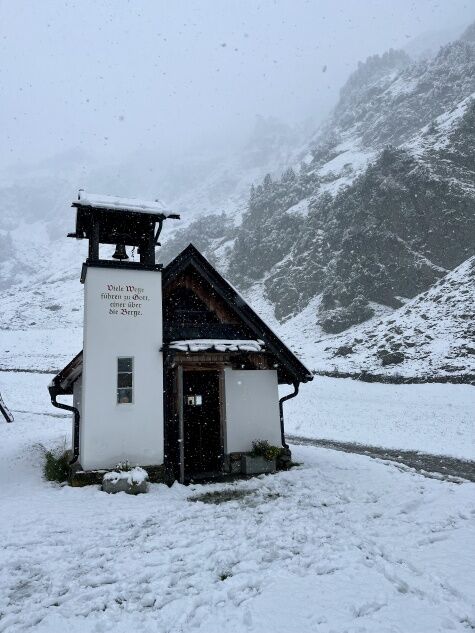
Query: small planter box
(257,465)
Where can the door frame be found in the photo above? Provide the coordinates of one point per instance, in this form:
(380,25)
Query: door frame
(181,424)
(219,368)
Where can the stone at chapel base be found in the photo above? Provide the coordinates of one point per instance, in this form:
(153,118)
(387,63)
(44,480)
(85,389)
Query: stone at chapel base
(257,465)
(132,482)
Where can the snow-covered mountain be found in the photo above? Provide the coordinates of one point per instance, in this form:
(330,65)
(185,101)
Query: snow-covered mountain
(383,206)
(431,335)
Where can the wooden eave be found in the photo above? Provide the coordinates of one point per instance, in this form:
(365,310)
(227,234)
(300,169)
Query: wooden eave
(64,381)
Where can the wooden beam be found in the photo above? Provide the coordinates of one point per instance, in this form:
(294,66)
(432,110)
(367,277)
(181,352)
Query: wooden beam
(147,247)
(93,254)
(205,293)
(181,424)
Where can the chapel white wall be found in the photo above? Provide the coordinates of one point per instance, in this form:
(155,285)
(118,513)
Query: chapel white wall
(252,408)
(111,432)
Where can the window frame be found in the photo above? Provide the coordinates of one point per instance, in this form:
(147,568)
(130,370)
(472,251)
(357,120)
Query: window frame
(130,389)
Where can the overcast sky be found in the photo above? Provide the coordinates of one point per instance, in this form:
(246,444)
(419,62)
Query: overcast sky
(116,76)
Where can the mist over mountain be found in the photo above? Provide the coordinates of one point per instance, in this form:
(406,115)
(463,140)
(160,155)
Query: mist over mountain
(335,224)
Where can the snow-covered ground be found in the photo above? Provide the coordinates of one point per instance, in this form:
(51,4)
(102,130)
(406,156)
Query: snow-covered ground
(431,418)
(42,349)
(341,543)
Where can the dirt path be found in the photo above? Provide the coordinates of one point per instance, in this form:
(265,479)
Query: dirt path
(434,466)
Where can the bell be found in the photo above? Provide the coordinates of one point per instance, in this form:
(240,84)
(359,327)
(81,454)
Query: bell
(120,252)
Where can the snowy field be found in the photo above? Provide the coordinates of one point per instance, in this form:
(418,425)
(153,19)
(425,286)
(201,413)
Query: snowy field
(343,543)
(41,349)
(432,418)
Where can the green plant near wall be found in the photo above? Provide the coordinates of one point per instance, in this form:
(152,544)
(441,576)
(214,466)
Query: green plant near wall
(56,465)
(124,467)
(262,448)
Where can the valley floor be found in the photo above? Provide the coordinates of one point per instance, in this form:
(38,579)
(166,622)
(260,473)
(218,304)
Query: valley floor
(436,466)
(432,418)
(341,543)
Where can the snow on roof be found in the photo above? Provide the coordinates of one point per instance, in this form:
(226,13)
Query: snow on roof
(102,201)
(218,345)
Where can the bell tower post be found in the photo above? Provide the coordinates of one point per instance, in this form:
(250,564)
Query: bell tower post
(121,395)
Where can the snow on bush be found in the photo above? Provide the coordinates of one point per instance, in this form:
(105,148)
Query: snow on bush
(56,464)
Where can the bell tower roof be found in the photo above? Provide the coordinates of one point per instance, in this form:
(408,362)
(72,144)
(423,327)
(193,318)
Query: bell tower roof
(115,203)
(104,219)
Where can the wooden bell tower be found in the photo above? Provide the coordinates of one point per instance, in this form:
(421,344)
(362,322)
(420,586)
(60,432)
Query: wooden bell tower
(120,221)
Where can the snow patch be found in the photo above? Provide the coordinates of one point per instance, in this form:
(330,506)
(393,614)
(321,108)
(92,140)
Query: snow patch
(219,345)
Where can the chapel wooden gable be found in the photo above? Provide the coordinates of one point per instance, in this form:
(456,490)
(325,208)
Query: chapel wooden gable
(198,303)
(193,309)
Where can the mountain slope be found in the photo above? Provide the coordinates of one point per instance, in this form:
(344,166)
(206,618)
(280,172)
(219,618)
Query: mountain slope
(432,335)
(401,224)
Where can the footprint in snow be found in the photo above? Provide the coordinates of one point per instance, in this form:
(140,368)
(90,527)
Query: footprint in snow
(367,608)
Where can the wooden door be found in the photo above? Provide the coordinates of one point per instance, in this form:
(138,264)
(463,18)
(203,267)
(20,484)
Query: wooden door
(203,452)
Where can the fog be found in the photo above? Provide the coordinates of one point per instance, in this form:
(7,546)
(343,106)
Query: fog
(113,78)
